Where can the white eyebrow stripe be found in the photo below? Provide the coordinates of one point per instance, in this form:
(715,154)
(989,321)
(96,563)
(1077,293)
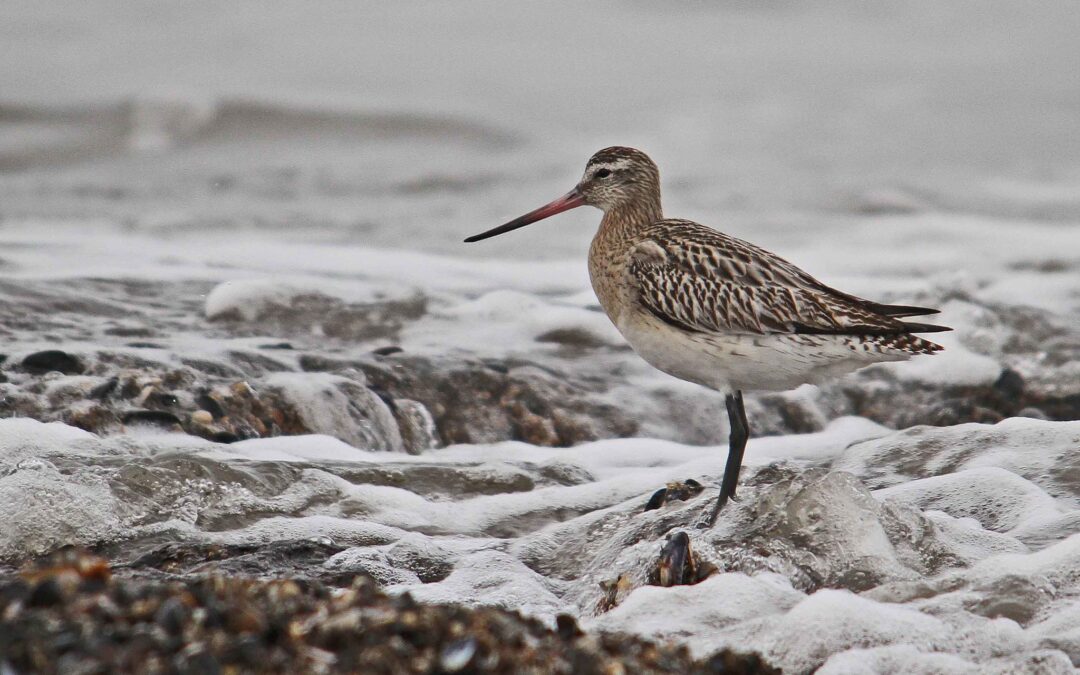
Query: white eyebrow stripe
(611,166)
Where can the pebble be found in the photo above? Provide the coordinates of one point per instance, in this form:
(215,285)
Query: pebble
(457,655)
(160,418)
(229,624)
(51,360)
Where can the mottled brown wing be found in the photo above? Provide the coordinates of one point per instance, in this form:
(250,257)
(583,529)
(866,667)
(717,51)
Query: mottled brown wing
(703,280)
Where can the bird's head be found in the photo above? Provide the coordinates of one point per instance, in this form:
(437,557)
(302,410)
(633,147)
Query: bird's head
(614,177)
(617,176)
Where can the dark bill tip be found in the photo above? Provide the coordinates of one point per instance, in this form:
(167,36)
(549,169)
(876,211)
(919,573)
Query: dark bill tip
(570,200)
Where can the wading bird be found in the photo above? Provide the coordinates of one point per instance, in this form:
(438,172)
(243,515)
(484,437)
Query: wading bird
(715,310)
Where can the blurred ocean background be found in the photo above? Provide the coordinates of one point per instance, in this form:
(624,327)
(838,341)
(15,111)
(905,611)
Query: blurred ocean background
(415,124)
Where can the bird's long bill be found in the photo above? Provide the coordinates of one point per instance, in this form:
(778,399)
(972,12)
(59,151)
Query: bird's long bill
(570,200)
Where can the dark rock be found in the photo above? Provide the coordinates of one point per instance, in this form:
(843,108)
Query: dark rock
(161,399)
(213,368)
(571,337)
(93,418)
(283,558)
(1009,384)
(317,363)
(161,418)
(172,616)
(46,593)
(567,627)
(126,331)
(727,662)
(104,389)
(51,360)
(208,403)
(255,364)
(200,663)
(386,351)
(385,396)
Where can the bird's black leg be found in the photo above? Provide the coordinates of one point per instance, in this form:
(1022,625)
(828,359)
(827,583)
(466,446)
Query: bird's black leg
(740,433)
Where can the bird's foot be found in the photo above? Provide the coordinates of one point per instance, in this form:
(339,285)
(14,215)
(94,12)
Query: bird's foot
(708,519)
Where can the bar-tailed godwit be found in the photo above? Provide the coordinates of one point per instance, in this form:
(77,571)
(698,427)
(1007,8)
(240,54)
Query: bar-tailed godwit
(715,310)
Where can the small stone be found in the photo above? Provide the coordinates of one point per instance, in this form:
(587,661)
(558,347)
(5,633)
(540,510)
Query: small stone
(571,337)
(202,417)
(104,389)
(387,351)
(1010,384)
(277,345)
(46,593)
(51,360)
(210,404)
(161,399)
(160,418)
(456,656)
(567,627)
(171,616)
(418,430)
(1033,413)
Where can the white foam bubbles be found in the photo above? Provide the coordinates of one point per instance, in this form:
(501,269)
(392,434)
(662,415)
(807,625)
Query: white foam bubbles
(693,613)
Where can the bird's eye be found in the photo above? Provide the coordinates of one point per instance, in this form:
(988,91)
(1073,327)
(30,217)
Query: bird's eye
(602,173)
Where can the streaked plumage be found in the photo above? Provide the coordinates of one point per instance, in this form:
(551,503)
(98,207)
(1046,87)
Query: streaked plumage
(706,281)
(712,309)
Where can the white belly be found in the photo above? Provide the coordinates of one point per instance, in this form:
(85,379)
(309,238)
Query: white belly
(728,362)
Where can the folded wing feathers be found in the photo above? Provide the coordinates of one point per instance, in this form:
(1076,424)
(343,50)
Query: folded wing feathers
(703,280)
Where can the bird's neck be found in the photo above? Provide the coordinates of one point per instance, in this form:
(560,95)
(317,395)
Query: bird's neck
(625,220)
(619,230)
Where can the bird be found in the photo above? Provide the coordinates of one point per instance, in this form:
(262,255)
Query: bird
(712,309)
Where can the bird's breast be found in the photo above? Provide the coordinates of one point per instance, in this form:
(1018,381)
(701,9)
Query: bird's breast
(608,274)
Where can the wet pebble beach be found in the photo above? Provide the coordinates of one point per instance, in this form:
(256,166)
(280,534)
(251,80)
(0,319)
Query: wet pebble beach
(69,614)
